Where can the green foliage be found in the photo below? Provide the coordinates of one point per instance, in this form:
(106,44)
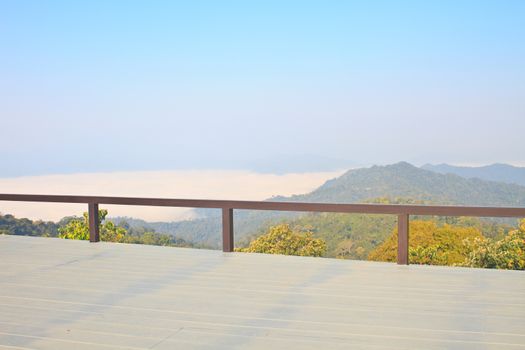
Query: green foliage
(109,232)
(506,253)
(282,239)
(79,229)
(443,244)
(489,228)
(347,236)
(74,227)
(206,232)
(9,225)
(431,255)
(430,243)
(151,238)
(355,236)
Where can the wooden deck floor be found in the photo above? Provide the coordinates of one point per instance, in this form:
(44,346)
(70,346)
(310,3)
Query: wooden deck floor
(60,294)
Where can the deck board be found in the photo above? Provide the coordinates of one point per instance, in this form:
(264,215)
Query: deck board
(63,294)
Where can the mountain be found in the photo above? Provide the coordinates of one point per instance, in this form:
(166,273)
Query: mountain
(407,181)
(495,172)
(396,183)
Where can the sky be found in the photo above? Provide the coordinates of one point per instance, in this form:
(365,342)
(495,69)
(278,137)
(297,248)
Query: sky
(269,86)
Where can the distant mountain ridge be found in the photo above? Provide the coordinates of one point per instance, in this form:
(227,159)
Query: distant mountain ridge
(400,180)
(407,181)
(494,172)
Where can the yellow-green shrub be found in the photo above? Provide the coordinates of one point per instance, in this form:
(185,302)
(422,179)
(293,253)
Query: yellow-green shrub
(282,239)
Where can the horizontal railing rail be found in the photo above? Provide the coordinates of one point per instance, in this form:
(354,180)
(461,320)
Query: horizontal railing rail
(402,211)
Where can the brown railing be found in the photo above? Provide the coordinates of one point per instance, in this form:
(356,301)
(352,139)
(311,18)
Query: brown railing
(402,211)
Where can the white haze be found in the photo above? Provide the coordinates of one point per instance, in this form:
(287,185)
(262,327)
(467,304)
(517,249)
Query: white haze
(211,184)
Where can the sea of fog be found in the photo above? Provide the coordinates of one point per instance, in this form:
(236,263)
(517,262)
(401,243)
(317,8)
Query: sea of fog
(208,184)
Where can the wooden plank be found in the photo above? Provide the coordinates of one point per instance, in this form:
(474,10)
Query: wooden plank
(94,222)
(227,230)
(280,206)
(59,294)
(402,239)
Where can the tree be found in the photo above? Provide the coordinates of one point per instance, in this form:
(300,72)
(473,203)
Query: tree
(78,228)
(282,239)
(506,253)
(10,225)
(430,243)
(151,238)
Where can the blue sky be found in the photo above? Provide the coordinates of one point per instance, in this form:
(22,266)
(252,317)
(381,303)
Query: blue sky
(156,85)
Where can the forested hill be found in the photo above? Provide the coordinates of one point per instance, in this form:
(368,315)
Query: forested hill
(403,180)
(396,183)
(349,236)
(495,172)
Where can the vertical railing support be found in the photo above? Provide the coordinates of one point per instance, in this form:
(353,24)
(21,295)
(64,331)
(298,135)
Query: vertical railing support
(402,239)
(227,230)
(93,221)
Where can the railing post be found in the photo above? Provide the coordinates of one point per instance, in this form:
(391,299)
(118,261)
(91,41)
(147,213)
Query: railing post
(227,230)
(402,239)
(93,221)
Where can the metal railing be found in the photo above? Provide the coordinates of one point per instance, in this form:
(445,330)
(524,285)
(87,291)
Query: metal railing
(403,212)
